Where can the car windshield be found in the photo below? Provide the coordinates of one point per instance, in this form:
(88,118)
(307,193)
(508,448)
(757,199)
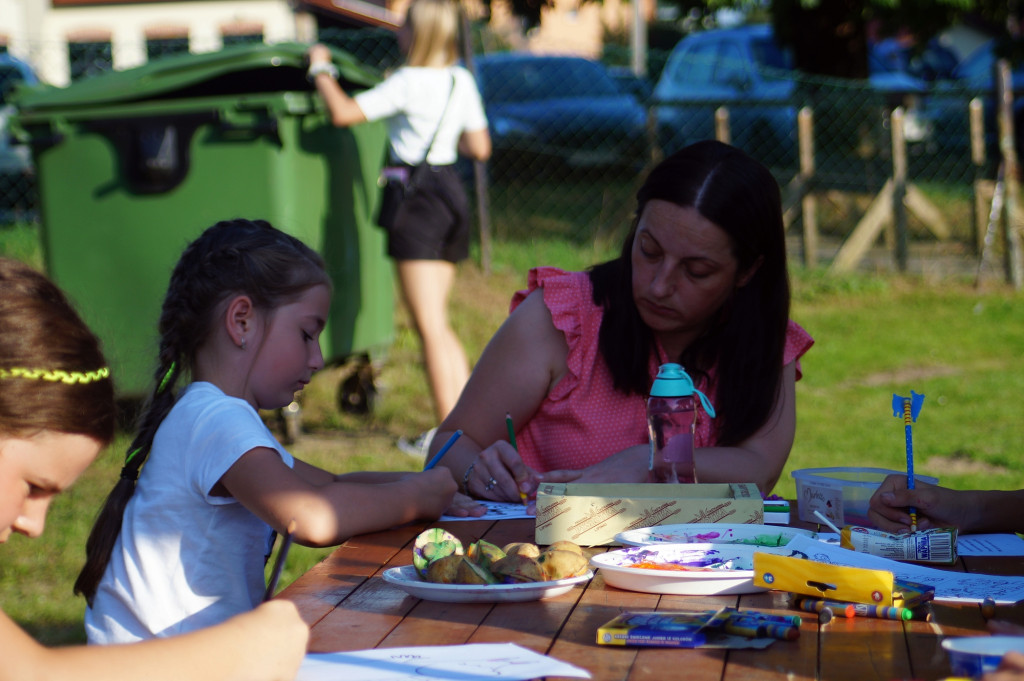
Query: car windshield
(516,81)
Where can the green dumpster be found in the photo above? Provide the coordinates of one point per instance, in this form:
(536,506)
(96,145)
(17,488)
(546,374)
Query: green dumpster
(134,164)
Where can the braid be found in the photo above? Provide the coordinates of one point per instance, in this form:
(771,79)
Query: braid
(236,256)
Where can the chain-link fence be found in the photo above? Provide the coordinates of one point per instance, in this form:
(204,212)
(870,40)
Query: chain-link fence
(572,148)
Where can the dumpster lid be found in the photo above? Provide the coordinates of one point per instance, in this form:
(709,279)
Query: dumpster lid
(236,70)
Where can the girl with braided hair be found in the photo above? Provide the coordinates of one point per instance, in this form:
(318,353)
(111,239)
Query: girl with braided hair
(182,540)
(56,414)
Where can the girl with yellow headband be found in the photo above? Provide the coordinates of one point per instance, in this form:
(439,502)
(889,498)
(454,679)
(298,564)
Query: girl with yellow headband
(56,413)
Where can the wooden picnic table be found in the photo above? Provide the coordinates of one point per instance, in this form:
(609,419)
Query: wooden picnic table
(350,607)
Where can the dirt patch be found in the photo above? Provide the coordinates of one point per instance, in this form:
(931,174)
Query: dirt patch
(962,465)
(908,375)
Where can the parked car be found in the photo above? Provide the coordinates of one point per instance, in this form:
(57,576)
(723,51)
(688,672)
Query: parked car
(745,70)
(17,174)
(561,109)
(948,104)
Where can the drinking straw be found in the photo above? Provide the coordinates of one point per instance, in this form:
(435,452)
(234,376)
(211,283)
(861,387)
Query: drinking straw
(824,519)
(444,450)
(909,408)
(275,574)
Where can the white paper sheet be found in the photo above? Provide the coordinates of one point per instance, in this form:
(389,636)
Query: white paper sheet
(496,510)
(471,662)
(949,585)
(989,545)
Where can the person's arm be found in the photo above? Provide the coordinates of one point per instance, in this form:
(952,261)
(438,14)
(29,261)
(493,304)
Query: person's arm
(761,457)
(524,359)
(265,644)
(967,510)
(475,144)
(327,509)
(343,109)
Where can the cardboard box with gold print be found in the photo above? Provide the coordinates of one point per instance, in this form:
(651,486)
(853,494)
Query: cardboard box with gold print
(592,514)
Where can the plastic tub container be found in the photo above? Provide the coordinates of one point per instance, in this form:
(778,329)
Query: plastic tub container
(972,656)
(841,494)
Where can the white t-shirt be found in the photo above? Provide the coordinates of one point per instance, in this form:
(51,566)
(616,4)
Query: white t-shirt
(185,559)
(412,100)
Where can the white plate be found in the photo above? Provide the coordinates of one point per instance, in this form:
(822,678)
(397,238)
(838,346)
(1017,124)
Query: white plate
(711,533)
(615,567)
(405,578)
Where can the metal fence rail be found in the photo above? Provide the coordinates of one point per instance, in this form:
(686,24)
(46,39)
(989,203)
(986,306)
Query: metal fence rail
(830,147)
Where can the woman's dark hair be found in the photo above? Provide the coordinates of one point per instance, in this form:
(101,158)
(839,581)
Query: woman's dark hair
(230,258)
(53,376)
(745,343)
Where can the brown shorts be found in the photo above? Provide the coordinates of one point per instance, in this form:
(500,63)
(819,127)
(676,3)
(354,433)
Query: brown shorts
(433,221)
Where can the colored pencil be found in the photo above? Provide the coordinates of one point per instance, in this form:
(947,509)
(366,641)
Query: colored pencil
(512,440)
(275,574)
(444,450)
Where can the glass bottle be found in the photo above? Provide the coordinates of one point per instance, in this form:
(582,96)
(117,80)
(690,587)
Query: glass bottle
(671,422)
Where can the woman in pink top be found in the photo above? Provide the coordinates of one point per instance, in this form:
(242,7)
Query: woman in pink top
(701,281)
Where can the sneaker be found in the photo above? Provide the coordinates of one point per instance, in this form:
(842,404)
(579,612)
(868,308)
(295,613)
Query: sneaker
(420,447)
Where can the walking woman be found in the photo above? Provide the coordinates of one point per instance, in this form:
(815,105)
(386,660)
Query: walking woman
(434,113)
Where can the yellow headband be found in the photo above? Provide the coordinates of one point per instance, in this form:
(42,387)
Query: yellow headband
(54,375)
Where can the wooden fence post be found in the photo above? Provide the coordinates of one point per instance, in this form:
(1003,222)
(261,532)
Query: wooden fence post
(1004,88)
(899,187)
(722,132)
(982,187)
(809,201)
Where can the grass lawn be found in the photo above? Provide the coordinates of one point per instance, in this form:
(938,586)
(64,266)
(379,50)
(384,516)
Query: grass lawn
(876,335)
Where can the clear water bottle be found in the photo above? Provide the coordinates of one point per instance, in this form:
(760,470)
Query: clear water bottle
(671,422)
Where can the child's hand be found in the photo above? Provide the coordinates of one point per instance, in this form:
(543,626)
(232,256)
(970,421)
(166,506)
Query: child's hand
(435,490)
(276,640)
(1011,667)
(465,507)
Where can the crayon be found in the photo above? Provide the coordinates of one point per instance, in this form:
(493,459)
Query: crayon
(855,609)
(988,608)
(755,628)
(788,620)
(282,555)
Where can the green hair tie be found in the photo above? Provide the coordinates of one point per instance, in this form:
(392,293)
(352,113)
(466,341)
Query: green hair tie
(167,377)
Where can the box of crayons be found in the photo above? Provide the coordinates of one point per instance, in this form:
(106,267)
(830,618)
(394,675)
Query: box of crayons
(692,629)
(837,582)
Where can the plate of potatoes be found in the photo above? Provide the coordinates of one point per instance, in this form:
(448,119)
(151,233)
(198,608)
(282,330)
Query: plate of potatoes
(445,570)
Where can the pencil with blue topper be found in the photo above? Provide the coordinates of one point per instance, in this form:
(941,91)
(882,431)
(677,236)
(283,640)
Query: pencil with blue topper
(908,408)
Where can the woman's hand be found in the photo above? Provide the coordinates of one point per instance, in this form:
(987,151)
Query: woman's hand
(319,54)
(499,474)
(629,465)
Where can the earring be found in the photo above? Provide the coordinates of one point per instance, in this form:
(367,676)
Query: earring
(242,344)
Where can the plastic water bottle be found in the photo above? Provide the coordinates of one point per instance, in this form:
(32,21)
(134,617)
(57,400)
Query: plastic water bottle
(671,422)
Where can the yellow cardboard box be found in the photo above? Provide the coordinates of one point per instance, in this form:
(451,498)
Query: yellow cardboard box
(592,514)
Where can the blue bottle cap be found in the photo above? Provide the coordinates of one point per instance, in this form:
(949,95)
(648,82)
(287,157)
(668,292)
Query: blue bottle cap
(673,381)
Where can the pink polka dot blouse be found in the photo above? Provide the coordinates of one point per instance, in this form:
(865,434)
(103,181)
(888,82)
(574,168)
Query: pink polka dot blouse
(584,419)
